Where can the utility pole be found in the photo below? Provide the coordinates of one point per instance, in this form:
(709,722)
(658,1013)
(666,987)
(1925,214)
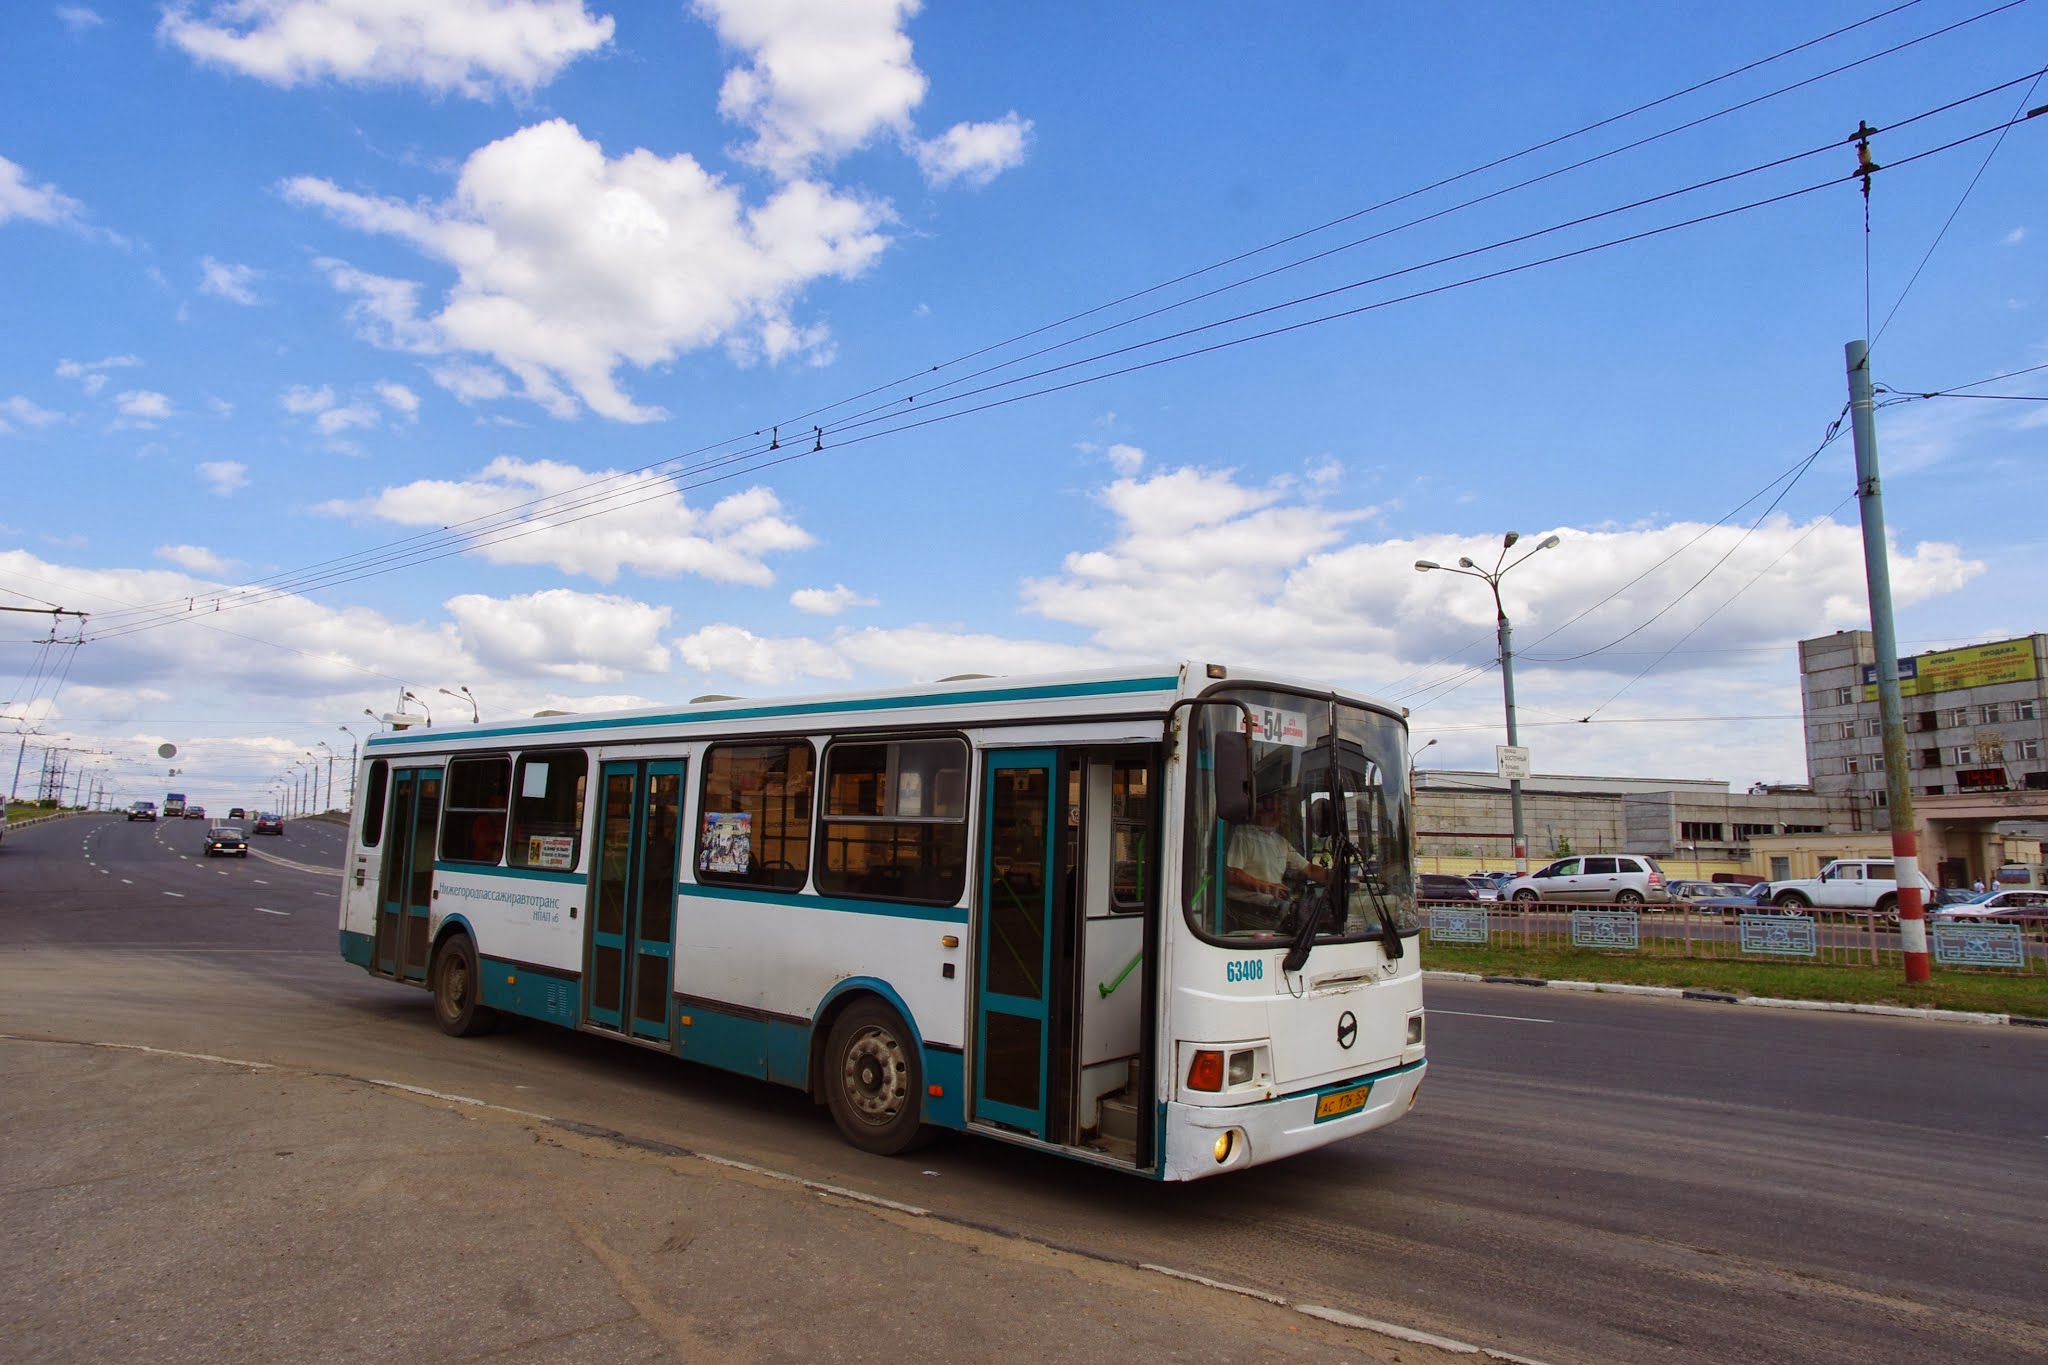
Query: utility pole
(1877,573)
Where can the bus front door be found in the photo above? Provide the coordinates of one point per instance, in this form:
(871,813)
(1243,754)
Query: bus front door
(405,898)
(1065,932)
(629,955)
(1014,946)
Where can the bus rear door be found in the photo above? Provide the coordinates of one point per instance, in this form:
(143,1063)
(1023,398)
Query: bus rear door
(405,898)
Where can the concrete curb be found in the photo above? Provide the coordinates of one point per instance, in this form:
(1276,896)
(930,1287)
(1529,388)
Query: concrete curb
(1765,1002)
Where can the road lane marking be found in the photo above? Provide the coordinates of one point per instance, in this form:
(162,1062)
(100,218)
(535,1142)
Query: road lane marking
(1512,1018)
(179,894)
(261,911)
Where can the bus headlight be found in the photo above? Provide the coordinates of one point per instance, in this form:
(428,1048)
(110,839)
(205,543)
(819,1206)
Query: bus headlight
(1226,1143)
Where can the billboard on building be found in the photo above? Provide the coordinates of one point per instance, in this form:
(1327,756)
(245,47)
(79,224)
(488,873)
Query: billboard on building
(1978,666)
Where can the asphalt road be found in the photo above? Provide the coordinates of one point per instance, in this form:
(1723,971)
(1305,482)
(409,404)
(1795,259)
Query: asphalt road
(1586,1179)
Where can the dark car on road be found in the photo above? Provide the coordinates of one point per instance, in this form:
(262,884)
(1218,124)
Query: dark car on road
(142,810)
(225,839)
(1439,886)
(269,824)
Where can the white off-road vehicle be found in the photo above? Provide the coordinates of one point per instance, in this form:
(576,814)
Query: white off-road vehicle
(1856,885)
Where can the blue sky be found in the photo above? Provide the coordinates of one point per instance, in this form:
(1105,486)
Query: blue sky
(585,355)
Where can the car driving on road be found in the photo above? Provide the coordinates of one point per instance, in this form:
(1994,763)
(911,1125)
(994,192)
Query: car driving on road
(142,810)
(269,824)
(226,839)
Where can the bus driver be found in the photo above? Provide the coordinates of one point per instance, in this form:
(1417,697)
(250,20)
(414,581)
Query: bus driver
(1260,858)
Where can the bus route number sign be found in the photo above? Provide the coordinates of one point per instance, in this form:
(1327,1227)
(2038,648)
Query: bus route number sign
(1271,725)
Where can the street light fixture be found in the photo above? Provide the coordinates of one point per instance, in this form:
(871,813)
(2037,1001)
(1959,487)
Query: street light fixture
(475,715)
(1491,578)
(414,698)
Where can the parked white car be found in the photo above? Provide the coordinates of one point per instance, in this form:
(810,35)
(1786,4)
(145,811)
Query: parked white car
(1620,878)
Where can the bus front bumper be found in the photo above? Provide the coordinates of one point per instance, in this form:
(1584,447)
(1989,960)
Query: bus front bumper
(1205,1140)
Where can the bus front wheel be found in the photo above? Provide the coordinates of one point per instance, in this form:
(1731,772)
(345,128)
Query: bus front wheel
(457,983)
(874,1083)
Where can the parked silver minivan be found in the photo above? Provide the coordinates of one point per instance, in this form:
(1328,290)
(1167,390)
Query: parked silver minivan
(1620,878)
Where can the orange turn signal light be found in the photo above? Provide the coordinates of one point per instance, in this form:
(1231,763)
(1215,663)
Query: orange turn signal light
(1206,1071)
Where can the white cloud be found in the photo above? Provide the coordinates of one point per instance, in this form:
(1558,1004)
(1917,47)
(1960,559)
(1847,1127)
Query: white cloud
(142,407)
(196,559)
(821,76)
(578,637)
(477,48)
(399,398)
(225,475)
(301,401)
(1126,459)
(974,152)
(18,412)
(828,601)
(92,374)
(227,280)
(333,421)
(37,203)
(647,526)
(570,264)
(78,18)
(2015,237)
(733,651)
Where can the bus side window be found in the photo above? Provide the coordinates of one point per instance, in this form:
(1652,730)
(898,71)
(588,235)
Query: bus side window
(473,820)
(756,824)
(547,809)
(373,805)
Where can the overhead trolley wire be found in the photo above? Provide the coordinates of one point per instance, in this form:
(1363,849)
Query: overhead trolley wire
(617,491)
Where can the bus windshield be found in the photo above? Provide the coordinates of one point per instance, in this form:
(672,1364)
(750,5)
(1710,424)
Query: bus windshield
(1325,857)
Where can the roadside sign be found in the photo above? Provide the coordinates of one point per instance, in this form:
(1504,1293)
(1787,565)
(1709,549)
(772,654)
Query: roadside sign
(1512,761)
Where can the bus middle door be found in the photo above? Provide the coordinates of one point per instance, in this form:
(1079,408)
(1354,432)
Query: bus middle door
(629,957)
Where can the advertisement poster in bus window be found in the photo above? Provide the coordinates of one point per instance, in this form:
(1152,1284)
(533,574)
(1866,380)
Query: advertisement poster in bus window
(728,842)
(553,851)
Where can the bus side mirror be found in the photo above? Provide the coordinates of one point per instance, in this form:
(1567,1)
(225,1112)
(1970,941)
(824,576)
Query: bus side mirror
(1233,778)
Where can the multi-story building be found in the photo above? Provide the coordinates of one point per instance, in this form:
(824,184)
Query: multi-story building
(1976,719)
(1463,819)
(1976,724)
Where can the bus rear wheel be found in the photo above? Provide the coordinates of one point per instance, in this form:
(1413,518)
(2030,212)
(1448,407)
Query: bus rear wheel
(874,1083)
(457,984)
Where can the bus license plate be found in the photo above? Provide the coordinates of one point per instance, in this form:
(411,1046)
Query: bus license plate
(1338,1103)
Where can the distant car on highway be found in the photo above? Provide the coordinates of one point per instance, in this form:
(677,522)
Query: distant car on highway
(226,839)
(269,824)
(195,812)
(1441,886)
(237,813)
(142,810)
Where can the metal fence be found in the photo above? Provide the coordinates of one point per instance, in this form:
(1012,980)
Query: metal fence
(1836,938)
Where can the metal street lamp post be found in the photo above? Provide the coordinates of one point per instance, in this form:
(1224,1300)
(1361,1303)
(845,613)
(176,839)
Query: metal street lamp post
(475,714)
(328,802)
(1491,578)
(351,765)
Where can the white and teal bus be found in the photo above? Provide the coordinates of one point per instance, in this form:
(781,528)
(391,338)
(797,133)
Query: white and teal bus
(999,905)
